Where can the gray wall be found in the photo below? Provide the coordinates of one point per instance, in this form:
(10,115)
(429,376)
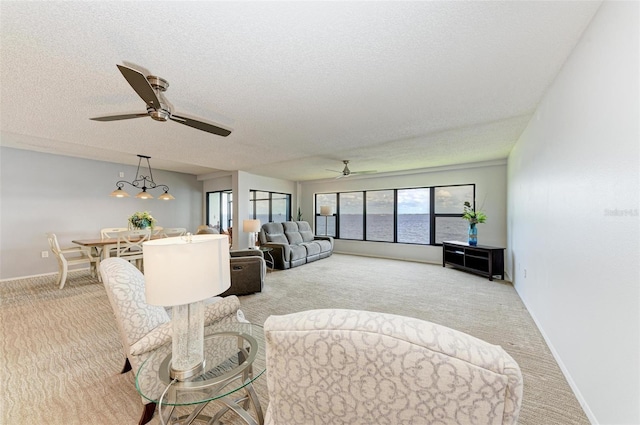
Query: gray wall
(42,193)
(574,226)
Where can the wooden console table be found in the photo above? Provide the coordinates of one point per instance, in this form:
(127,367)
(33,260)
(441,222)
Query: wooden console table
(481,259)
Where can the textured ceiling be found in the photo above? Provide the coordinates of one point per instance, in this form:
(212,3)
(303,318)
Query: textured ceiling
(388,85)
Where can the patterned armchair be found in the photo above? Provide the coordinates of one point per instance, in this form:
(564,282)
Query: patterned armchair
(144,328)
(358,368)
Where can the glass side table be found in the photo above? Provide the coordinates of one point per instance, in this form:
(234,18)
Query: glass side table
(234,359)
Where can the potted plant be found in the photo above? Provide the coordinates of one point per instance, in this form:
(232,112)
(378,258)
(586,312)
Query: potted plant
(142,220)
(473,217)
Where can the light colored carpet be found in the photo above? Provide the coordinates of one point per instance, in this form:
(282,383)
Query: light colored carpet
(61,355)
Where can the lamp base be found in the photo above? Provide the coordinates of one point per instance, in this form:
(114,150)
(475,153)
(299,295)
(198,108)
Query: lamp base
(183,375)
(187,357)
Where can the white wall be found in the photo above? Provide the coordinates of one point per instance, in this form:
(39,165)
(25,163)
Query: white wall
(573,223)
(241,183)
(42,193)
(491,194)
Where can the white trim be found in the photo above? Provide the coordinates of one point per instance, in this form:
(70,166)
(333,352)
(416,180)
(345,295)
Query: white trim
(39,275)
(565,371)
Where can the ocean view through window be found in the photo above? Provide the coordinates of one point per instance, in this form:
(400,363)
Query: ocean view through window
(270,206)
(425,216)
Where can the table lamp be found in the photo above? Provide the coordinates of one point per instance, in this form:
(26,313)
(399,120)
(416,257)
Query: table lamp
(326,211)
(252,227)
(182,272)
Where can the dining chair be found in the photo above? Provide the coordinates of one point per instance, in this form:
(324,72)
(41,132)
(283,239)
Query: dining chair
(129,245)
(111,232)
(157,231)
(108,233)
(71,257)
(173,231)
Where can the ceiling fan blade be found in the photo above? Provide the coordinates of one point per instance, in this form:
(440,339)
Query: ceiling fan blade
(364,172)
(335,171)
(120,117)
(209,128)
(140,84)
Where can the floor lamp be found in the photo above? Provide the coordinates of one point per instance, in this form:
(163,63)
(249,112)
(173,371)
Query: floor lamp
(326,211)
(182,272)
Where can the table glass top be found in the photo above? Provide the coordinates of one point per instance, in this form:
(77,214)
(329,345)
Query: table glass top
(234,357)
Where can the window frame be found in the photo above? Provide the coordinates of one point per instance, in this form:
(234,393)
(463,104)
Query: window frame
(433,216)
(253,204)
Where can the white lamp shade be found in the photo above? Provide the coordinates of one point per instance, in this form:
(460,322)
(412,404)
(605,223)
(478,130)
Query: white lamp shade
(178,271)
(251,226)
(326,210)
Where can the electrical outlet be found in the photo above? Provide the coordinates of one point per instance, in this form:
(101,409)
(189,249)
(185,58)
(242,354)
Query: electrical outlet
(45,254)
(121,174)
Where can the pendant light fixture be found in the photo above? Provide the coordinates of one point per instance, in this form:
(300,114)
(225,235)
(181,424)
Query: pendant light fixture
(143,182)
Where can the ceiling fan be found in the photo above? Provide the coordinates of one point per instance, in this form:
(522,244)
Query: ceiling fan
(150,89)
(346,172)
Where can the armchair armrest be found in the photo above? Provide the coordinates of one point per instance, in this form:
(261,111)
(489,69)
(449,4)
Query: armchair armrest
(246,253)
(156,338)
(226,307)
(80,250)
(324,238)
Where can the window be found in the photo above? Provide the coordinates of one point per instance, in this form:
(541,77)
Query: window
(350,215)
(265,206)
(269,206)
(326,225)
(280,207)
(220,209)
(413,215)
(448,201)
(425,216)
(380,216)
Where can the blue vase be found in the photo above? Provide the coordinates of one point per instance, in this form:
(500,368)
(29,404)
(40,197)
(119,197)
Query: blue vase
(473,234)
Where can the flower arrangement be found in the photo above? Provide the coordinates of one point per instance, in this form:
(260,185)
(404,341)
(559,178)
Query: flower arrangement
(472,215)
(142,220)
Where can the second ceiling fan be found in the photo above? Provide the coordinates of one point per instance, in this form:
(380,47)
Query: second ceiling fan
(346,172)
(150,89)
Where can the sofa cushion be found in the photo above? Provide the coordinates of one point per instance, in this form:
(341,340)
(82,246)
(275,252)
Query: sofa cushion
(313,248)
(277,238)
(325,245)
(290,226)
(298,252)
(307,235)
(294,238)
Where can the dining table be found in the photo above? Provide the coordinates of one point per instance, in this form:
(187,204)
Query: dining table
(104,246)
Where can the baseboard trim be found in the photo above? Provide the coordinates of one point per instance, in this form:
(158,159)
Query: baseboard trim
(386,257)
(563,368)
(41,274)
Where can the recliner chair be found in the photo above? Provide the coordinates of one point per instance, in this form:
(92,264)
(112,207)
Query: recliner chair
(248,271)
